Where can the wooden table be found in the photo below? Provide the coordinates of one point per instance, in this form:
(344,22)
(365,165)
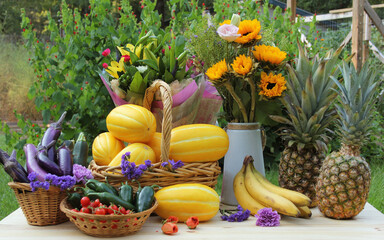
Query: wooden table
(369,224)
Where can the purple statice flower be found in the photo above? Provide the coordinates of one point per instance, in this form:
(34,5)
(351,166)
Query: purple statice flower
(172,165)
(148,163)
(32,176)
(126,156)
(164,164)
(37,184)
(266,217)
(81,173)
(238,216)
(130,170)
(64,182)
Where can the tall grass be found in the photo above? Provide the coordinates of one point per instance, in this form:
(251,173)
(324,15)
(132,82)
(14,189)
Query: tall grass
(16,77)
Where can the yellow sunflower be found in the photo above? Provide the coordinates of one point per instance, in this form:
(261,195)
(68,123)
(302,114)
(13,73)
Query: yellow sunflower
(242,64)
(249,30)
(228,21)
(269,54)
(115,68)
(217,70)
(272,85)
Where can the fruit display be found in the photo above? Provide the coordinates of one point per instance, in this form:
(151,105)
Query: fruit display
(186,200)
(131,123)
(139,153)
(254,192)
(105,147)
(198,143)
(309,115)
(344,181)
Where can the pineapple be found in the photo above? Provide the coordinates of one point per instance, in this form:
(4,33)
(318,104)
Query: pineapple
(307,101)
(344,180)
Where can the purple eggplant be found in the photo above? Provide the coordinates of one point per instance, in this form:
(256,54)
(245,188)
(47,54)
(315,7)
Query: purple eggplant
(13,167)
(32,164)
(47,164)
(52,134)
(65,159)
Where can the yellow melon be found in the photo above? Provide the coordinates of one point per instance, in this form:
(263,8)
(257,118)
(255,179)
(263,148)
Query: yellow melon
(105,147)
(131,123)
(139,153)
(155,144)
(198,143)
(186,200)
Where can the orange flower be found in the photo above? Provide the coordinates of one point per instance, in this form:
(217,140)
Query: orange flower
(270,54)
(228,21)
(169,228)
(217,71)
(272,85)
(192,222)
(242,64)
(249,30)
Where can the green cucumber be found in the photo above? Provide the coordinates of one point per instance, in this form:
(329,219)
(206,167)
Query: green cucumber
(80,151)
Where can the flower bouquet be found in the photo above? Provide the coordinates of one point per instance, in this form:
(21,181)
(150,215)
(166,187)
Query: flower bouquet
(151,58)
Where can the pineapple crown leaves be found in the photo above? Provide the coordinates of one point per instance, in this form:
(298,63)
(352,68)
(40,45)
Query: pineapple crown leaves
(308,99)
(355,103)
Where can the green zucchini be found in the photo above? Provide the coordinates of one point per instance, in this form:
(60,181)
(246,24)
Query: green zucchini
(80,151)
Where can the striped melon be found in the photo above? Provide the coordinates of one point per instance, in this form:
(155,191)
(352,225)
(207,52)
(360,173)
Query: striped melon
(198,143)
(139,153)
(186,200)
(155,144)
(105,147)
(131,123)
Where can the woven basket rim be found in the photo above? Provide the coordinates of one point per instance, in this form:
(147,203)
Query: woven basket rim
(64,207)
(27,186)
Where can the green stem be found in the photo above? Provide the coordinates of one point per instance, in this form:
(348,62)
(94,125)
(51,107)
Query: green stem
(253,98)
(237,99)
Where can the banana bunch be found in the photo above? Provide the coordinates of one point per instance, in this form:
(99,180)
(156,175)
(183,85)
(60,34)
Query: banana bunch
(253,191)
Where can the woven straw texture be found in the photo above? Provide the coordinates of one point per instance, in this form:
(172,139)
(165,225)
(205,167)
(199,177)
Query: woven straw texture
(200,172)
(42,207)
(106,225)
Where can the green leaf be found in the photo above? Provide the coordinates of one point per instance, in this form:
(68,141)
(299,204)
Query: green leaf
(168,77)
(137,85)
(80,64)
(46,115)
(151,63)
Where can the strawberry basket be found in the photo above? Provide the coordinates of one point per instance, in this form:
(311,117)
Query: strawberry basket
(42,207)
(106,225)
(192,172)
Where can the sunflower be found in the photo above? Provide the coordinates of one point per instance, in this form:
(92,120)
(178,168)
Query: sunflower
(217,71)
(249,30)
(242,64)
(269,54)
(228,21)
(116,68)
(272,85)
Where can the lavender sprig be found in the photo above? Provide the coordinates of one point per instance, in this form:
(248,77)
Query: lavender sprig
(238,216)
(63,182)
(130,170)
(172,165)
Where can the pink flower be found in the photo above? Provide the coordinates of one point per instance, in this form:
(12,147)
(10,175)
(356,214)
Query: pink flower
(127,58)
(105,65)
(106,52)
(228,32)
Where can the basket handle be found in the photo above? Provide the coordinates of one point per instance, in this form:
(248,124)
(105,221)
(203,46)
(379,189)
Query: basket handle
(166,128)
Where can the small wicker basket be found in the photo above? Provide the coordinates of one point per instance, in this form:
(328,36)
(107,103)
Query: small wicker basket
(42,207)
(196,172)
(107,225)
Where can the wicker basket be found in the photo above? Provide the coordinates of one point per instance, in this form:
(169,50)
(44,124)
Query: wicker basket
(197,172)
(106,225)
(42,207)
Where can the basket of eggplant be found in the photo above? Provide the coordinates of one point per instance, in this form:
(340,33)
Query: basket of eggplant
(50,173)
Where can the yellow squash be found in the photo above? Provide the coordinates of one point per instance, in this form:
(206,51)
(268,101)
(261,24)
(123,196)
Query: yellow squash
(131,123)
(198,143)
(155,144)
(105,147)
(186,200)
(139,153)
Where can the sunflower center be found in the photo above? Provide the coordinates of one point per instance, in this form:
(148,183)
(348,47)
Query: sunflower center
(271,86)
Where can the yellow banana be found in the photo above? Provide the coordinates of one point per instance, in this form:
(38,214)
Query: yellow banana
(242,196)
(305,212)
(267,198)
(296,198)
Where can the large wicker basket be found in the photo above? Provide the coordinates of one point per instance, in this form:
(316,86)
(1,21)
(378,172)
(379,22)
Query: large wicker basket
(196,172)
(42,207)
(107,225)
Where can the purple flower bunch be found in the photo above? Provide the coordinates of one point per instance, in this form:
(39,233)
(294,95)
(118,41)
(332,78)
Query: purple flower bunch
(238,216)
(130,170)
(64,182)
(266,217)
(81,174)
(172,165)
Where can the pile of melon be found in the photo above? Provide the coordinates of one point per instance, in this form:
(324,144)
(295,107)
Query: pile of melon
(132,128)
